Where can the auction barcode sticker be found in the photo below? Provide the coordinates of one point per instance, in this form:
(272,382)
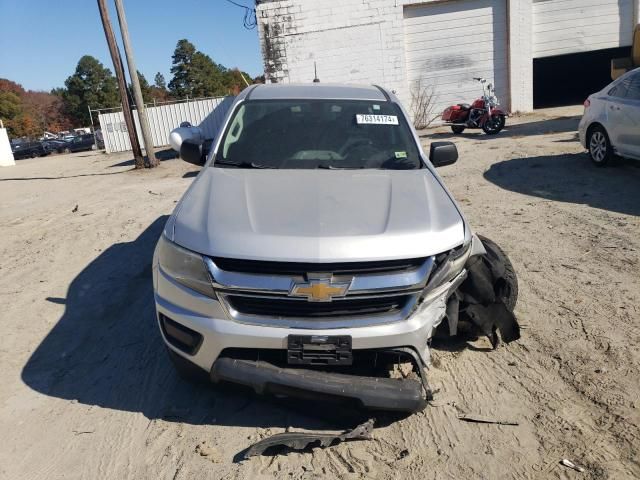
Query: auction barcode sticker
(367,119)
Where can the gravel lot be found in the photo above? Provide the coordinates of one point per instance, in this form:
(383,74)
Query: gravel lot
(87,391)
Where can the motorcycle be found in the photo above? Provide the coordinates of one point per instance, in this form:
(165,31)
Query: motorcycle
(482,113)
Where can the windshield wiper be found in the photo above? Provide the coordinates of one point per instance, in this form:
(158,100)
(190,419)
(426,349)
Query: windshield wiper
(333,167)
(241,164)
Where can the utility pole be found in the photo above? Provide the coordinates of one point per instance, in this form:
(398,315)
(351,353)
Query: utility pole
(135,84)
(122,84)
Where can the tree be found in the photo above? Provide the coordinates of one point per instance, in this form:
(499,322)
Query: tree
(145,88)
(207,77)
(180,84)
(7,85)
(92,85)
(10,106)
(30,113)
(195,74)
(159,81)
(159,92)
(46,111)
(235,80)
(24,126)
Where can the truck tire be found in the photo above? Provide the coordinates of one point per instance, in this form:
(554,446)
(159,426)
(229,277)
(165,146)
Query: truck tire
(508,288)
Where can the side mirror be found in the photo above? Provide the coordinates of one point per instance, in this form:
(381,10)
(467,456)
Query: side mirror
(191,152)
(442,154)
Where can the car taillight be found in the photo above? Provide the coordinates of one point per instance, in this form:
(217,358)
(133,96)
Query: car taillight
(587,103)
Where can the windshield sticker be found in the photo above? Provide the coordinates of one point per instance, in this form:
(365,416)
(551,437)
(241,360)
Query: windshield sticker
(365,119)
(401,154)
(376,107)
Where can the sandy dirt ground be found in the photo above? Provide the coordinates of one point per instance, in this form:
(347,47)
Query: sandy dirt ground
(87,391)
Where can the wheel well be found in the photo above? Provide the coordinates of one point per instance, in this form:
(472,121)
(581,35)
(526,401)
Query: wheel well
(592,127)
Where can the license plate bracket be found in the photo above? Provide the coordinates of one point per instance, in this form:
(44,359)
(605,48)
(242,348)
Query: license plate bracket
(319,350)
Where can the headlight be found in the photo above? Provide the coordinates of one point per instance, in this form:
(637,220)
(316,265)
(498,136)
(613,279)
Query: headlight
(449,266)
(184,266)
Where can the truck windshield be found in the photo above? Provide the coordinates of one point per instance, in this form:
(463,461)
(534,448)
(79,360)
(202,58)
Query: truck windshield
(332,134)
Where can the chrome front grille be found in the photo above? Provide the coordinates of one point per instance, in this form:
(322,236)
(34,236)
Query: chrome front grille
(259,292)
(298,268)
(284,307)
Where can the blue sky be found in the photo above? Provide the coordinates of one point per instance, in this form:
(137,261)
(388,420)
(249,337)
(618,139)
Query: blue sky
(41,41)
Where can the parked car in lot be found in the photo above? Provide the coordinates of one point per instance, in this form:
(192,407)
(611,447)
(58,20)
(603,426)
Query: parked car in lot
(80,143)
(318,236)
(610,125)
(55,145)
(30,150)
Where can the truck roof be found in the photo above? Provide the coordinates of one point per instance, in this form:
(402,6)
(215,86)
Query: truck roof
(320,91)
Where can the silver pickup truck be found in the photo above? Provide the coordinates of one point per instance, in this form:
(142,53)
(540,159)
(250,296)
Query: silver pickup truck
(317,248)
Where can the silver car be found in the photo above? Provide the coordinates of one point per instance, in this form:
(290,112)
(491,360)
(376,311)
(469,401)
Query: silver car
(316,237)
(610,125)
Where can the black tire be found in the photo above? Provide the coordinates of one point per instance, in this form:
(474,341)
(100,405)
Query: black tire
(187,370)
(33,155)
(457,129)
(494,125)
(66,150)
(599,145)
(508,290)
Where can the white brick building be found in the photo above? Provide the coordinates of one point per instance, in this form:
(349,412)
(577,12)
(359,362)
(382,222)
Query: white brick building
(546,46)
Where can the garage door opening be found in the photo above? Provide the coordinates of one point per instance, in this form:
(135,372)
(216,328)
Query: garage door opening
(570,79)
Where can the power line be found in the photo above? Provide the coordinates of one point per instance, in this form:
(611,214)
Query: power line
(249,21)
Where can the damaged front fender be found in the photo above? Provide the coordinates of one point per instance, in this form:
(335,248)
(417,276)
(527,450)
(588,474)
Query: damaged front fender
(488,295)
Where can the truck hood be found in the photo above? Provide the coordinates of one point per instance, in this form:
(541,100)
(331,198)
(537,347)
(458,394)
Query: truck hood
(317,215)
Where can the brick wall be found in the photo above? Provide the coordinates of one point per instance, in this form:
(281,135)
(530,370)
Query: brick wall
(362,41)
(354,41)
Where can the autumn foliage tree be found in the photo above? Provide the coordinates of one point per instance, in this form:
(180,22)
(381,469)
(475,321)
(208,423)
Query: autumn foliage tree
(159,92)
(29,113)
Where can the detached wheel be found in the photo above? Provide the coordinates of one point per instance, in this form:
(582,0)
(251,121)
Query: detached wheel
(457,129)
(187,370)
(600,149)
(494,125)
(507,289)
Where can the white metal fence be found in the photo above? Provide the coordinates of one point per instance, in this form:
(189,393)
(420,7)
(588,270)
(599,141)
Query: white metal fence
(207,113)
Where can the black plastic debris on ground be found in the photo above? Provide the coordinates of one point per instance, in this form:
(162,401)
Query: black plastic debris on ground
(303,440)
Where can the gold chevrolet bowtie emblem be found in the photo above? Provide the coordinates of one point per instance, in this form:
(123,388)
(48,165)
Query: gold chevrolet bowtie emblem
(321,289)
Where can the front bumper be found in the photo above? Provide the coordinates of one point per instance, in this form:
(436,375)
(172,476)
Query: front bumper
(207,317)
(369,392)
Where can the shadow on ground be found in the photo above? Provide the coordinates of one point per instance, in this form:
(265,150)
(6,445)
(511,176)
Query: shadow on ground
(106,351)
(541,127)
(20,179)
(162,155)
(572,178)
